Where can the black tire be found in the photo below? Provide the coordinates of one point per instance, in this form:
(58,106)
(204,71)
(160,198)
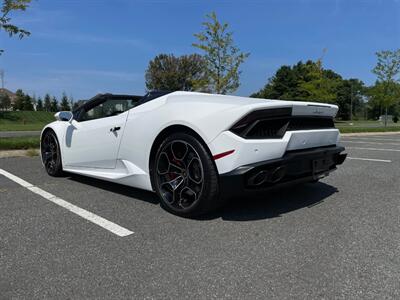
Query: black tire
(51,154)
(186,182)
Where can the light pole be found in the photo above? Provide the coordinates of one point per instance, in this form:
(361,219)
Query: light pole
(2,78)
(351,101)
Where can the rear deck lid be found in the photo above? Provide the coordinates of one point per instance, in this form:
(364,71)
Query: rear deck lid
(314,109)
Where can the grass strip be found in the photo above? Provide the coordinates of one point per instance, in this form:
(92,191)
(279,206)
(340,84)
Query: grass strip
(16,143)
(22,127)
(368,129)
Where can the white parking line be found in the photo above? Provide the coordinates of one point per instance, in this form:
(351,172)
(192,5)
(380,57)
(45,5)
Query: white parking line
(370,159)
(375,143)
(374,149)
(108,225)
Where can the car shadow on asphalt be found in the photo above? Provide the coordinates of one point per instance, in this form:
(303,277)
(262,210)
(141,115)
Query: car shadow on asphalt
(273,204)
(270,204)
(116,188)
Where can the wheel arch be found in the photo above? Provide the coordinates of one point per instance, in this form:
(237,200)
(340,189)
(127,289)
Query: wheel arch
(55,127)
(55,131)
(45,130)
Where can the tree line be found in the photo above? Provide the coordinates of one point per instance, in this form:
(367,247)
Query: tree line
(26,102)
(309,81)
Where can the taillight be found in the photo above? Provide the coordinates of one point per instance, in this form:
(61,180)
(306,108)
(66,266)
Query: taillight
(223,154)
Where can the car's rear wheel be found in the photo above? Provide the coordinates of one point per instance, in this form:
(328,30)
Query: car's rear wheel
(51,154)
(185,176)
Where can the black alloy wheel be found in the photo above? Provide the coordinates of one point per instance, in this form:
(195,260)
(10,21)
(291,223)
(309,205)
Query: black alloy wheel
(185,176)
(51,155)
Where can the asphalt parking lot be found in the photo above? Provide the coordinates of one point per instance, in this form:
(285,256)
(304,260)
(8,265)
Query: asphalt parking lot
(339,238)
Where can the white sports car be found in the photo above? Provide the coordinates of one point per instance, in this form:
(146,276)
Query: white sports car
(193,149)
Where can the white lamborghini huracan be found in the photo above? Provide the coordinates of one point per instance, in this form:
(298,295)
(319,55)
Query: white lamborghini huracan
(194,149)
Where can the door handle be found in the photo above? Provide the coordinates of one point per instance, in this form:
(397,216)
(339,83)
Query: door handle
(116,128)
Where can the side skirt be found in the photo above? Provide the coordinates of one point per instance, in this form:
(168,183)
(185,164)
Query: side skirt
(125,173)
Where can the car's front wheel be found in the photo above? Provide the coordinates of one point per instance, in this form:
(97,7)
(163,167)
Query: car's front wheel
(51,154)
(185,177)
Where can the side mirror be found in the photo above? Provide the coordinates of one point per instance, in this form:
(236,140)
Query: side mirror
(64,116)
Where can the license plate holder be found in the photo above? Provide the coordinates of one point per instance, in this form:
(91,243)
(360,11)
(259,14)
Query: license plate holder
(320,167)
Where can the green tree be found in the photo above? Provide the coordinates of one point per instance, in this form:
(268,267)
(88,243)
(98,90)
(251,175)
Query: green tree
(283,85)
(387,71)
(47,103)
(320,85)
(349,98)
(303,81)
(223,58)
(384,98)
(5,101)
(64,105)
(183,73)
(54,105)
(39,105)
(374,107)
(7,7)
(309,81)
(27,103)
(19,100)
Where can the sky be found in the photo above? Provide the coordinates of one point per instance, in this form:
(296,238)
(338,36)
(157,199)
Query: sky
(85,47)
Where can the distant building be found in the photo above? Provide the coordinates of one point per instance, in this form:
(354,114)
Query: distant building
(389,118)
(10,94)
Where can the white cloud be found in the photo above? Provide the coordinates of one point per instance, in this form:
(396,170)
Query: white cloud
(127,76)
(35,15)
(72,37)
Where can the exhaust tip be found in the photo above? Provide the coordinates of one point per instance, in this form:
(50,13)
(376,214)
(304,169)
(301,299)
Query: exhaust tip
(258,179)
(267,176)
(277,174)
(340,158)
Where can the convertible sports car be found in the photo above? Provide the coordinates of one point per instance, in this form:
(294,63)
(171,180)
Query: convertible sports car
(193,149)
